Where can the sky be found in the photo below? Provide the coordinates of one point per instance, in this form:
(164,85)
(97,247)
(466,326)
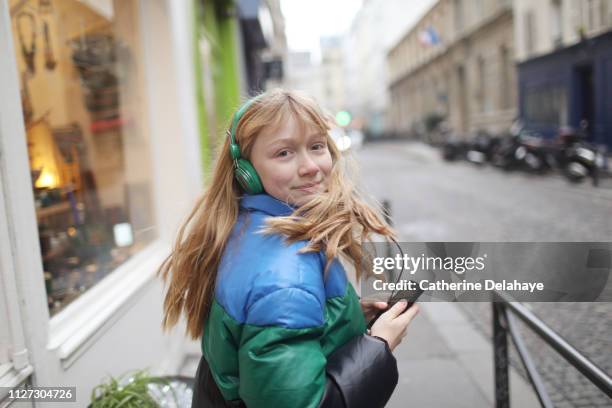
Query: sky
(308,20)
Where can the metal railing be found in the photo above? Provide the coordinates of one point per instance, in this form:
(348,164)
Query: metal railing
(504,323)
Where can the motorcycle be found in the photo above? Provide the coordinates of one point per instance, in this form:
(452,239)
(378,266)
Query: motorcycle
(521,149)
(578,159)
(481,149)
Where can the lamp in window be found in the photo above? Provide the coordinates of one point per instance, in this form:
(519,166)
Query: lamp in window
(45,157)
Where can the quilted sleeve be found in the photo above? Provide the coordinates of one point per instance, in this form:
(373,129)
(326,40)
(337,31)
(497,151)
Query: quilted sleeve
(280,358)
(281,362)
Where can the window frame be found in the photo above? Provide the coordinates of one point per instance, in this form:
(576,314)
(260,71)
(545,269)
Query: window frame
(9,254)
(15,366)
(171,110)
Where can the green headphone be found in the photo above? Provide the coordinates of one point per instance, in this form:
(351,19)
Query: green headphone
(245,173)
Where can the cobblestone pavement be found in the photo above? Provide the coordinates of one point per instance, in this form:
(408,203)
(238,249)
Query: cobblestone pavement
(437,201)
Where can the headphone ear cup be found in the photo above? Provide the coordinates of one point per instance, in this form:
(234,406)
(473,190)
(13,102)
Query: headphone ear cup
(247,177)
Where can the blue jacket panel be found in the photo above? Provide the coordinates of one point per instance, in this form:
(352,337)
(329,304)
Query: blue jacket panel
(259,270)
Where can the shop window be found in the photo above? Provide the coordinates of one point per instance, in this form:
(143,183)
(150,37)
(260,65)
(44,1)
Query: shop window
(82,89)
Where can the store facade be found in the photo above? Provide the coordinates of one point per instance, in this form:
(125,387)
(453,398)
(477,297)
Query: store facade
(100,159)
(568,86)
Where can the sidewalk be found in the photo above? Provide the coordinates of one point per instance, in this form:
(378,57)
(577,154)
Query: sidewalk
(445,362)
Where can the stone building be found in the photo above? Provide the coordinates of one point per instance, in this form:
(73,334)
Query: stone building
(366,47)
(456,61)
(332,74)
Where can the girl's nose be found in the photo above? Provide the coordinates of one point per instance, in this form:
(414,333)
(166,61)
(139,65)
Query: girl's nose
(308,167)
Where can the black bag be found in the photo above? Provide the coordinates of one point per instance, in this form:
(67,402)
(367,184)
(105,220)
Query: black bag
(360,374)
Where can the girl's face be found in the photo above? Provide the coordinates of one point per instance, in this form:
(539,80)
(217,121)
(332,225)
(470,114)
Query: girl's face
(293,163)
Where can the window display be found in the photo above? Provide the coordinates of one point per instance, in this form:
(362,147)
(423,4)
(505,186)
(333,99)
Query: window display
(82,95)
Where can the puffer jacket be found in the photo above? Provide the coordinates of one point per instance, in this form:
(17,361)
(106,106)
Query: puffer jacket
(280,334)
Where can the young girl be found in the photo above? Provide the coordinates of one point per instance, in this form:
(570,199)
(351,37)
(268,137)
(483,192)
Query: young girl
(255,271)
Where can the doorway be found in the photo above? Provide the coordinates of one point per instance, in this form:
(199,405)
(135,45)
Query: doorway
(585,99)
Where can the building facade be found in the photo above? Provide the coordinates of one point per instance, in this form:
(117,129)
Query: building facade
(564,51)
(374,30)
(332,76)
(457,62)
(304,74)
(274,57)
(263,42)
(108,113)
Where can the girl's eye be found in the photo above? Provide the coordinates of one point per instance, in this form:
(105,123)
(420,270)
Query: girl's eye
(282,153)
(319,146)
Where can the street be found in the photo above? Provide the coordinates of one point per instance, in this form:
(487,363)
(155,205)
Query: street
(433,200)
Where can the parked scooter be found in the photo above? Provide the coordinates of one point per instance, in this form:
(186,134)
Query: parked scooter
(520,150)
(532,153)
(480,149)
(577,159)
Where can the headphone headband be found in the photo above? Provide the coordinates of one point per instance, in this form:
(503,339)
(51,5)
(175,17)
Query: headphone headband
(238,115)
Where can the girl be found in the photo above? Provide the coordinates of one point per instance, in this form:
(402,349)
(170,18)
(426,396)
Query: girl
(255,270)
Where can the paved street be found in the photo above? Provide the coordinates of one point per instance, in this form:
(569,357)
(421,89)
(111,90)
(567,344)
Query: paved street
(438,201)
(433,200)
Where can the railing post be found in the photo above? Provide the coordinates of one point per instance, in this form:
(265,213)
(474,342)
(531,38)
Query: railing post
(386,207)
(500,356)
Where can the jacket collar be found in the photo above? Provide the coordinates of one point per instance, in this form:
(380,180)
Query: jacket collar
(266,204)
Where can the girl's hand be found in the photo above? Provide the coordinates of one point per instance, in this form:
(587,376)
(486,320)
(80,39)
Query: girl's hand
(370,309)
(393,324)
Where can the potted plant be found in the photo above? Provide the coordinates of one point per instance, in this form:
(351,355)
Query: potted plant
(139,389)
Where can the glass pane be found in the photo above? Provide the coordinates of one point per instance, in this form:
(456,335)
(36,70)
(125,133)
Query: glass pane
(82,88)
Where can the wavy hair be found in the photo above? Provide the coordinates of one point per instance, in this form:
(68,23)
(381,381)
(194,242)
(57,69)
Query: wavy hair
(335,222)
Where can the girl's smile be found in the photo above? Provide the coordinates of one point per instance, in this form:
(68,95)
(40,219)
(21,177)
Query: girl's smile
(292,161)
(310,187)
